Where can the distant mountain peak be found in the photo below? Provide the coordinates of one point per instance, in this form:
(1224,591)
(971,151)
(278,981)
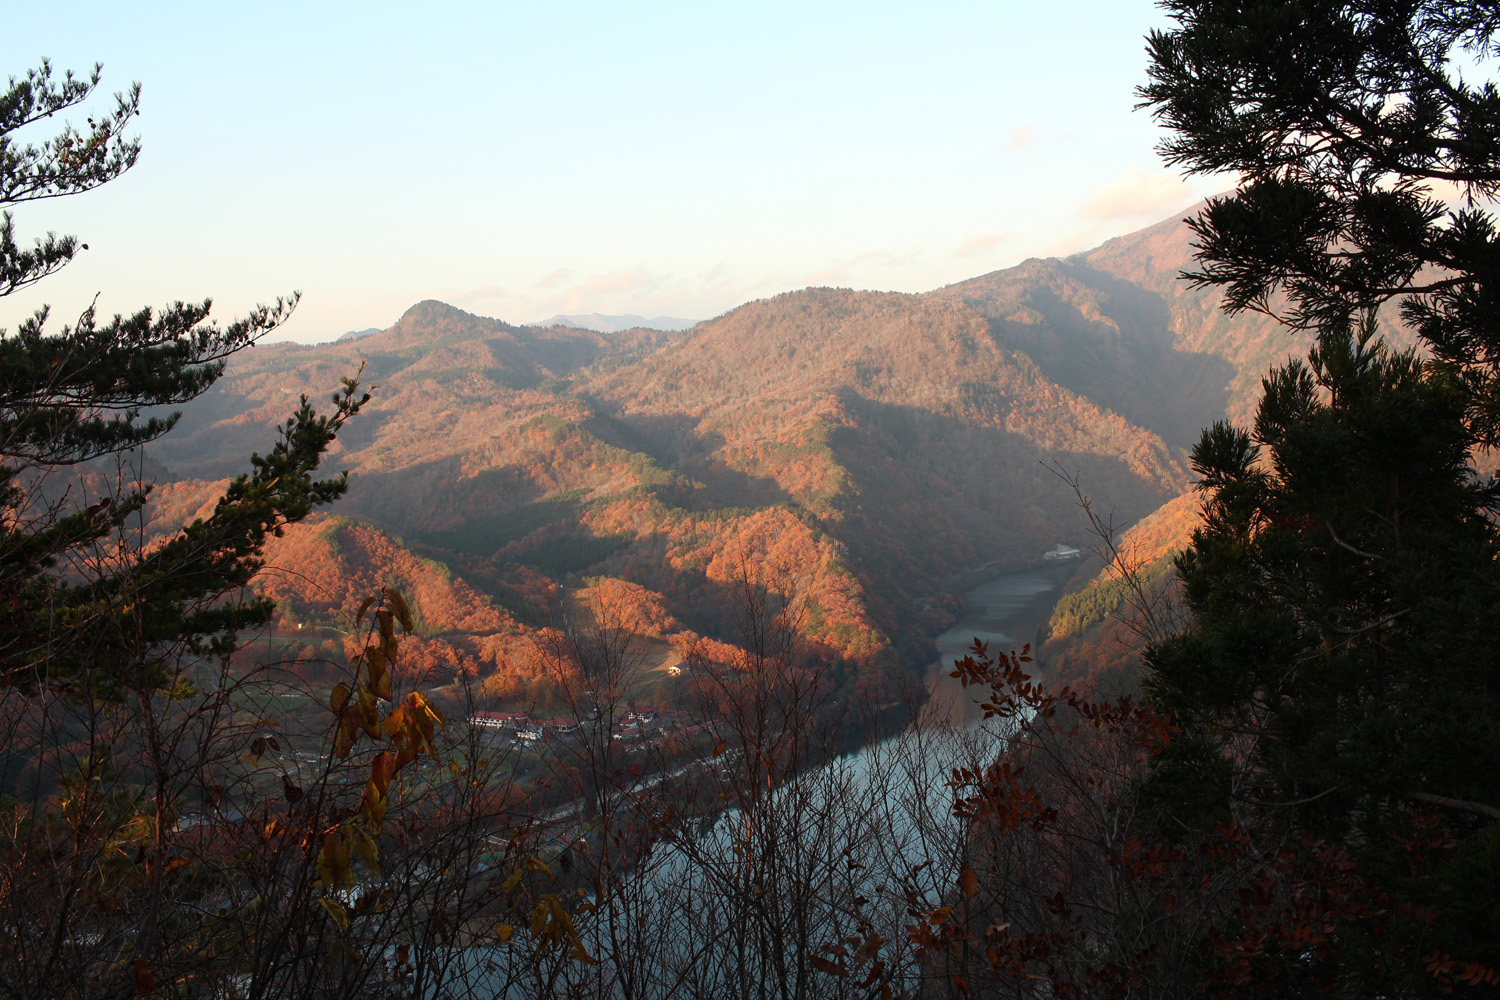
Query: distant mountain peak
(429,310)
(601,323)
(358,335)
(430,320)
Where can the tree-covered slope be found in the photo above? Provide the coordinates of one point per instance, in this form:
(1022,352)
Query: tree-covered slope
(1119,325)
(863,450)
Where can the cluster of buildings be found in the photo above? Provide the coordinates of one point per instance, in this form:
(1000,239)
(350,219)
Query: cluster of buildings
(523,725)
(633,726)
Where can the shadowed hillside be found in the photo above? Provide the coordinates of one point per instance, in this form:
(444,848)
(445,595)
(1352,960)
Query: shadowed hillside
(866,453)
(1118,325)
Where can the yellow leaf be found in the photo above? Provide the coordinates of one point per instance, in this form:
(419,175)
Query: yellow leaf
(376,659)
(505,931)
(333,859)
(559,915)
(343,739)
(339,698)
(538,919)
(414,739)
(394,720)
(426,708)
(372,808)
(382,769)
(368,850)
(336,911)
(369,713)
(363,608)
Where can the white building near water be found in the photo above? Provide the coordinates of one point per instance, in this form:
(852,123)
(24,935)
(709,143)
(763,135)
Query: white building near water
(499,720)
(1061,551)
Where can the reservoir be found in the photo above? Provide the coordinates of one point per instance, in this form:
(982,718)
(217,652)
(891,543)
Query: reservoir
(1005,612)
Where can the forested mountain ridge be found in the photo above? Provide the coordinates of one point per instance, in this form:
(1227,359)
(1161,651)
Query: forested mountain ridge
(863,449)
(1119,325)
(608,678)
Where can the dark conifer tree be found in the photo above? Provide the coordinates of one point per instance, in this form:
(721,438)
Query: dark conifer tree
(1336,691)
(1337,684)
(72,603)
(1346,121)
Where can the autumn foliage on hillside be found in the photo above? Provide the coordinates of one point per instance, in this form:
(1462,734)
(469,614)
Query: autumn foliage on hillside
(821,443)
(864,450)
(1099,626)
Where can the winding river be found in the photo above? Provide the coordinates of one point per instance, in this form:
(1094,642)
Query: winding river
(879,811)
(1005,612)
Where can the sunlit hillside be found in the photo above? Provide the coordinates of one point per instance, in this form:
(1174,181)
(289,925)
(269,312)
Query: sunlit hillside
(865,453)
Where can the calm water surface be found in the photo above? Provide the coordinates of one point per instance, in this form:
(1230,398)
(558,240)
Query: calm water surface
(1004,612)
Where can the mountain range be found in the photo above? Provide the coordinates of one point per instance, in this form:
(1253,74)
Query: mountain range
(601,323)
(865,454)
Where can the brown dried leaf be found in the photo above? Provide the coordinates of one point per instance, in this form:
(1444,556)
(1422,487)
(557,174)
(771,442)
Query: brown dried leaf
(403,613)
(363,608)
(824,965)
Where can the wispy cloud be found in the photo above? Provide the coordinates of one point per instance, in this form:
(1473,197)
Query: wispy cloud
(1137,193)
(630,279)
(1077,239)
(833,274)
(885,258)
(1020,137)
(855,272)
(630,289)
(473,297)
(976,245)
(717,279)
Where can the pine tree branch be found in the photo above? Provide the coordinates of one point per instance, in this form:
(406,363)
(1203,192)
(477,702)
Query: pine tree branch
(1451,803)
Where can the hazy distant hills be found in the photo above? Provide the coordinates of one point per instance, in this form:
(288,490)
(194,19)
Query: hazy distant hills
(358,334)
(614,324)
(862,450)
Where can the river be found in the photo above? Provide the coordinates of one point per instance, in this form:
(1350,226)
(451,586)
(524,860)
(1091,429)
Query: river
(849,836)
(1005,612)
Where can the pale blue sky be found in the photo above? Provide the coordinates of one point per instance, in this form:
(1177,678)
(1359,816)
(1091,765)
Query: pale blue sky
(520,160)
